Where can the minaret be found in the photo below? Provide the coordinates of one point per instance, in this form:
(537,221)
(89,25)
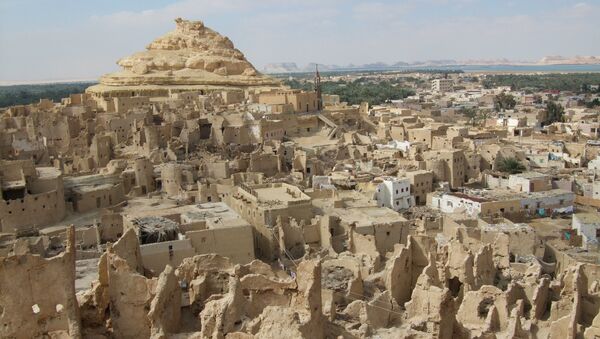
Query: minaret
(318,88)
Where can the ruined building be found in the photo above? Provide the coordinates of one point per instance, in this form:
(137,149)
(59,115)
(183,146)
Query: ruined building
(189,196)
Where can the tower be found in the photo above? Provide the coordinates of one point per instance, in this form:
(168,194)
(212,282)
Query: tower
(318,88)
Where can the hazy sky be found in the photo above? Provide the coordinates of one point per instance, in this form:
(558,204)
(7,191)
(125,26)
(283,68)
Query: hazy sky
(81,39)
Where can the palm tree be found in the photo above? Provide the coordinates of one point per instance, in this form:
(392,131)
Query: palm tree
(511,166)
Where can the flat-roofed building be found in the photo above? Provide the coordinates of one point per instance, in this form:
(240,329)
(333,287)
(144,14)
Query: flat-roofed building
(442,85)
(263,204)
(169,235)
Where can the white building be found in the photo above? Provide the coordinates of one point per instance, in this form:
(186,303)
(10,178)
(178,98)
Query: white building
(594,164)
(442,85)
(456,202)
(529,182)
(596,189)
(394,193)
(401,145)
(588,227)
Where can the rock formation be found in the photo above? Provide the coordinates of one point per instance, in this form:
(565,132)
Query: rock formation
(190,58)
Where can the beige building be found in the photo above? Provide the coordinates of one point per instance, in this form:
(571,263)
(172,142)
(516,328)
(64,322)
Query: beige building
(90,192)
(262,205)
(300,100)
(442,85)
(421,183)
(31,197)
(169,235)
(447,165)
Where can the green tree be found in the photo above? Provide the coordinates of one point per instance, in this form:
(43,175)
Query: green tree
(511,166)
(469,112)
(555,112)
(504,101)
(593,103)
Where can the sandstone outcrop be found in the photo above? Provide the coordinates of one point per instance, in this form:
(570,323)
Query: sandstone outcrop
(192,57)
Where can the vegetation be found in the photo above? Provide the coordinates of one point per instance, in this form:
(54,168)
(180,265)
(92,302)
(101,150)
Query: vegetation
(574,82)
(358,91)
(591,104)
(469,112)
(511,166)
(28,94)
(555,112)
(504,101)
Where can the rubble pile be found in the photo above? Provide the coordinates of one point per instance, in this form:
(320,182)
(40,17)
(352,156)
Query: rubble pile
(188,196)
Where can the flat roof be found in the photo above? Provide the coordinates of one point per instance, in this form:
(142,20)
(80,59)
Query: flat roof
(282,193)
(587,218)
(368,215)
(92,182)
(489,195)
(530,175)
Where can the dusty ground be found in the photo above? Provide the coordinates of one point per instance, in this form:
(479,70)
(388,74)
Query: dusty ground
(86,271)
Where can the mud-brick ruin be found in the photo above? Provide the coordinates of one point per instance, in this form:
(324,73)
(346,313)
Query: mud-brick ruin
(190,196)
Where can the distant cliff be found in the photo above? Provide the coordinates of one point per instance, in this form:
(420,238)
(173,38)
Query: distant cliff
(292,67)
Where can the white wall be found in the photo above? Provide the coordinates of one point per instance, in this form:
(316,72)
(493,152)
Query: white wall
(394,194)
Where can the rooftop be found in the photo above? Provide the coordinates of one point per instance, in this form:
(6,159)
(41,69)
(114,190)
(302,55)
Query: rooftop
(587,218)
(90,183)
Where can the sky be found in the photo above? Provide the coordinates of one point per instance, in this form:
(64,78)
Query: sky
(42,40)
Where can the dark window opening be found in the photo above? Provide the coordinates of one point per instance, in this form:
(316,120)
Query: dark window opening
(13,194)
(454,285)
(484,307)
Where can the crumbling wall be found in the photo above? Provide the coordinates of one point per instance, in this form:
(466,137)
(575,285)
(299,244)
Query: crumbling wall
(128,249)
(37,295)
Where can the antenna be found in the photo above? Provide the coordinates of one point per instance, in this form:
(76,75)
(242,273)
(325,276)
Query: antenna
(318,88)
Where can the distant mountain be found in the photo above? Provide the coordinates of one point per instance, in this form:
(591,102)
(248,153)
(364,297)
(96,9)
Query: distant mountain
(576,60)
(282,67)
(291,67)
